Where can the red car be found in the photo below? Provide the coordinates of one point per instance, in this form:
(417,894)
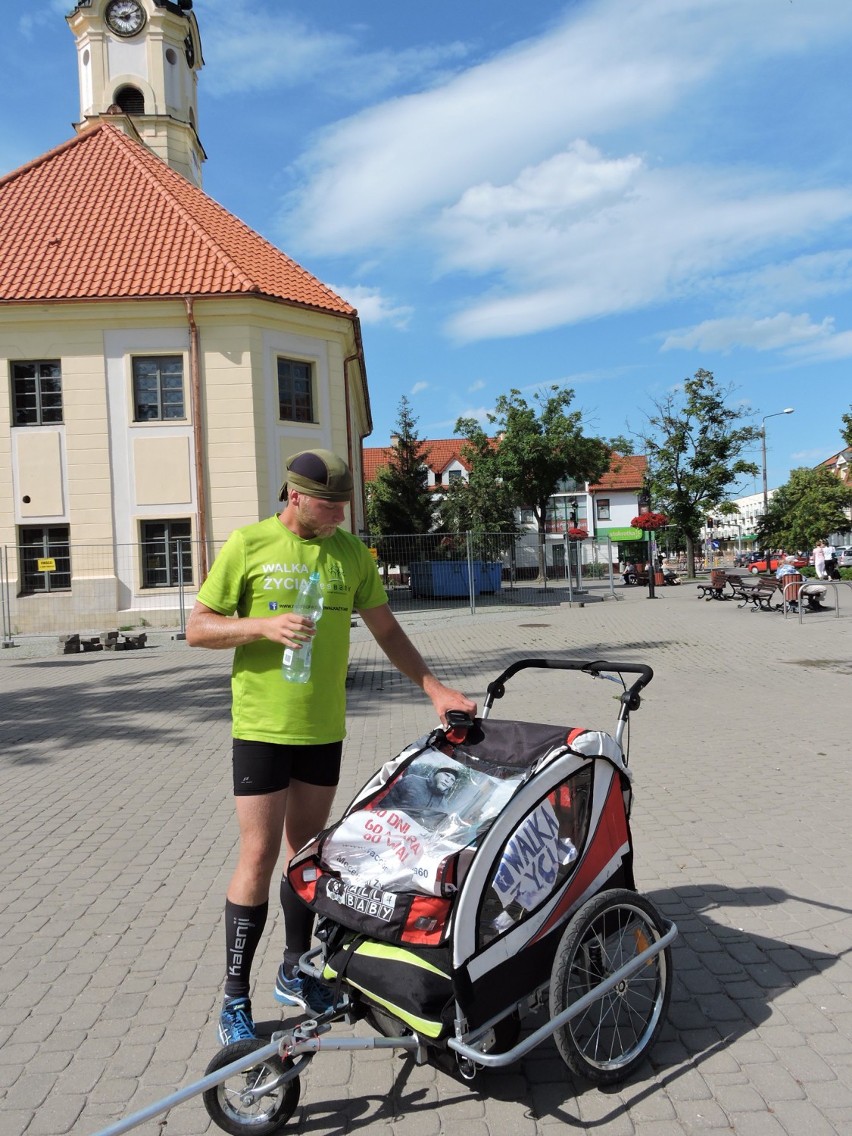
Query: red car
(756,567)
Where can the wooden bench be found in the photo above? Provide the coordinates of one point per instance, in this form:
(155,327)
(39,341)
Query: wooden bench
(766,594)
(714,588)
(741,586)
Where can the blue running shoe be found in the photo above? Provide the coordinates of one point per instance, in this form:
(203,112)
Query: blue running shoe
(303,990)
(235,1021)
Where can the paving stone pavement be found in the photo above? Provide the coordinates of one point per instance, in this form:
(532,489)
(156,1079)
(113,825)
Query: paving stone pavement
(118,841)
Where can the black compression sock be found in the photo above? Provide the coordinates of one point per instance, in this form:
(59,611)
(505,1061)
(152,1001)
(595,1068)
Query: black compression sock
(243,929)
(298,924)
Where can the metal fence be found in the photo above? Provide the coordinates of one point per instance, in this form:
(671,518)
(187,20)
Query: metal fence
(70,589)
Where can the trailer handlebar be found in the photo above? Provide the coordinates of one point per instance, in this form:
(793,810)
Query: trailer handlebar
(596,668)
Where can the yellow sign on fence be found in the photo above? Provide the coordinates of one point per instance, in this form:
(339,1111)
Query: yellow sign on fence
(46,564)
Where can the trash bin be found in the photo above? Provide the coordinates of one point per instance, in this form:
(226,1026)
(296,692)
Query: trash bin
(792,582)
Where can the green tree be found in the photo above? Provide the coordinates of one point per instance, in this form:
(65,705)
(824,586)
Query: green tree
(809,506)
(846,431)
(482,505)
(694,447)
(537,448)
(399,501)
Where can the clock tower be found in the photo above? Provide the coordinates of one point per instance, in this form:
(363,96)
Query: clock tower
(138,64)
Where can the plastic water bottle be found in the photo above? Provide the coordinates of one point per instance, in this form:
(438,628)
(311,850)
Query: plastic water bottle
(296,664)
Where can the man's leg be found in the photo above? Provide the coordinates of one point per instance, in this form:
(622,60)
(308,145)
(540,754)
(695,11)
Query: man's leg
(261,821)
(307,814)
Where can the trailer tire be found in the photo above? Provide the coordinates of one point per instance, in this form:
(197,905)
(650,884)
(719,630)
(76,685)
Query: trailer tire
(611,1038)
(265,1116)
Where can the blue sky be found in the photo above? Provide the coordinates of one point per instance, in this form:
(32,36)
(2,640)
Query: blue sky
(601,194)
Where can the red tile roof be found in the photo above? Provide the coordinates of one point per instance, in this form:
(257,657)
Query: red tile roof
(624,473)
(438,453)
(102,217)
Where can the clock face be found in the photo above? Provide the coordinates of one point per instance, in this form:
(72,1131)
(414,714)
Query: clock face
(125,17)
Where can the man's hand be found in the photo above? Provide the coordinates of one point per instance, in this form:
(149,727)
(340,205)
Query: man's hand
(289,629)
(444,698)
(208,628)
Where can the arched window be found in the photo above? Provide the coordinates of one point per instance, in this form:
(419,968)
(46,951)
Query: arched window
(131,100)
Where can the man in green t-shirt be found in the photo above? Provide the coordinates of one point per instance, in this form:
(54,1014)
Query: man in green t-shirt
(288,737)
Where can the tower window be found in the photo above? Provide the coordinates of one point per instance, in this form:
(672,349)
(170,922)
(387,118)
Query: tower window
(131,100)
(36,549)
(157,388)
(295,391)
(37,393)
(166,553)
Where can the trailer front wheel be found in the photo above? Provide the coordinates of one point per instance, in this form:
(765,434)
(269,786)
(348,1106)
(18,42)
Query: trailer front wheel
(611,1037)
(232,1104)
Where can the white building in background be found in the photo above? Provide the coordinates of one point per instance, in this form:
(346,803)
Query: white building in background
(737,532)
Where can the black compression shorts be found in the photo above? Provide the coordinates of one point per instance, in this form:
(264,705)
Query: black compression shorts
(266,767)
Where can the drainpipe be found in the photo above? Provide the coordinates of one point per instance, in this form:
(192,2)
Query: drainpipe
(197,434)
(350,359)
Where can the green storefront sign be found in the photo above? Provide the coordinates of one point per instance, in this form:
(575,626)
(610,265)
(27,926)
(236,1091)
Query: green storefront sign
(624,534)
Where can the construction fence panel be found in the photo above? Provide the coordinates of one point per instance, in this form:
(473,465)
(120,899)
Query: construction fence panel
(66,589)
(90,589)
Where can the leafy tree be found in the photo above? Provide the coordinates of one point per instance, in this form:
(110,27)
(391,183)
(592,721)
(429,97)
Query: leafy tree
(399,501)
(694,447)
(846,431)
(482,505)
(537,448)
(811,504)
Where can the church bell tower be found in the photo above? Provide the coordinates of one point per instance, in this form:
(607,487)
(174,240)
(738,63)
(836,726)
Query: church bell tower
(138,64)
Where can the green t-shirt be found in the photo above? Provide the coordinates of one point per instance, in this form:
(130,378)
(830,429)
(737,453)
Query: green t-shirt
(257,574)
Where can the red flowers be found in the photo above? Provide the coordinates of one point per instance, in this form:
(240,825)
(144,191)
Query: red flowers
(650,521)
(577,534)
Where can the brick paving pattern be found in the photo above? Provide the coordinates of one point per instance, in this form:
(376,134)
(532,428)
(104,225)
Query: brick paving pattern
(118,841)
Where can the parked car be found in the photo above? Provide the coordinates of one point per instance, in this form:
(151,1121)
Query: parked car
(844,557)
(757,566)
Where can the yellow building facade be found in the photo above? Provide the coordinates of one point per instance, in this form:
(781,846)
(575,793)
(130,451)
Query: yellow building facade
(163,361)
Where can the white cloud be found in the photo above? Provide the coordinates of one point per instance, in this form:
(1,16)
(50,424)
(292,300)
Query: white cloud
(477,386)
(832,347)
(808,457)
(635,236)
(32,21)
(770,334)
(797,338)
(373,307)
(605,67)
(418,388)
(255,47)
(813,275)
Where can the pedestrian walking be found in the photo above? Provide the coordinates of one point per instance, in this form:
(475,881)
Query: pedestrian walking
(819,560)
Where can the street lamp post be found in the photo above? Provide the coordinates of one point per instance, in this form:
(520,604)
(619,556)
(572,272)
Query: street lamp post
(789,410)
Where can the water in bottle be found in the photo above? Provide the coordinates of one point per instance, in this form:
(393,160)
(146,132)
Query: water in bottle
(296,664)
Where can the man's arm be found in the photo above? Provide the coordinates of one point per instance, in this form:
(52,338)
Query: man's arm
(207,628)
(383,626)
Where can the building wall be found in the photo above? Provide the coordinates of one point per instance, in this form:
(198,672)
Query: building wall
(103,474)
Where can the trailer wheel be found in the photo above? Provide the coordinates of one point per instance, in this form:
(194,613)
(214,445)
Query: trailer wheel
(611,1037)
(226,1103)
